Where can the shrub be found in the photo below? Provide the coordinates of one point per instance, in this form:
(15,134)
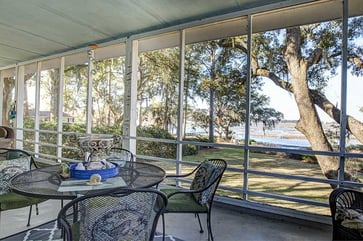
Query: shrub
(149,148)
(153,148)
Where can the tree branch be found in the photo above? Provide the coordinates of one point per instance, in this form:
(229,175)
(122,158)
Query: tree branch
(353,125)
(356,61)
(315,57)
(272,76)
(319,99)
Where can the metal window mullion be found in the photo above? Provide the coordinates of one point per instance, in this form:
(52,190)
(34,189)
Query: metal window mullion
(180,127)
(1,96)
(248,109)
(91,55)
(19,106)
(343,99)
(127,98)
(130,95)
(60,110)
(133,94)
(37,109)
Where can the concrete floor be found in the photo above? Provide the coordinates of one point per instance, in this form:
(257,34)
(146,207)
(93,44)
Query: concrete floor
(227,225)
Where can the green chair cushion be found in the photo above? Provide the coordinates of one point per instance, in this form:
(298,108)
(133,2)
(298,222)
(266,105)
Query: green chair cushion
(182,202)
(8,169)
(13,155)
(75,231)
(12,200)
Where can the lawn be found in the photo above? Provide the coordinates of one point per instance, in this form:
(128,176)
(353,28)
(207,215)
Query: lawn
(268,163)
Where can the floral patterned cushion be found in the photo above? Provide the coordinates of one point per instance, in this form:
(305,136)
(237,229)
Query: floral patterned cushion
(114,219)
(201,179)
(10,168)
(351,218)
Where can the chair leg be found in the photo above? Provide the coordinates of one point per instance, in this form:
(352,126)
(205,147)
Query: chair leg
(210,234)
(200,224)
(163,220)
(30,213)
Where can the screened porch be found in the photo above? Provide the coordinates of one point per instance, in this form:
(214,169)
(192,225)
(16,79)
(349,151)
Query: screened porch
(272,87)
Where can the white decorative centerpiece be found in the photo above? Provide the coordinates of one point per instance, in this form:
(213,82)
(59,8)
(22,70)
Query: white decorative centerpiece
(93,147)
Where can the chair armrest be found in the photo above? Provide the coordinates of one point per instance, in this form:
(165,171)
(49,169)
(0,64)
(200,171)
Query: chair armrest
(176,176)
(183,175)
(181,190)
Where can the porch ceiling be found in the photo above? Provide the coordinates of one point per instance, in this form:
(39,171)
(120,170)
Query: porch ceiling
(34,29)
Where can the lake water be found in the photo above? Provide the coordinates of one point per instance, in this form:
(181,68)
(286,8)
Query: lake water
(283,135)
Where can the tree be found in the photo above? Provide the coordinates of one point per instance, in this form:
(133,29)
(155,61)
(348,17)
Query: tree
(8,99)
(159,84)
(54,91)
(75,91)
(191,80)
(108,91)
(223,85)
(307,56)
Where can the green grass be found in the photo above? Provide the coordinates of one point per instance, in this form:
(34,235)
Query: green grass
(269,163)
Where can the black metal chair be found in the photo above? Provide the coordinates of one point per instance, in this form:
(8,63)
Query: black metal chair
(199,197)
(346,206)
(114,214)
(13,162)
(119,155)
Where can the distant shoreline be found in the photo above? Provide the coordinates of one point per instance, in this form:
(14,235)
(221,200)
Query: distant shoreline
(283,134)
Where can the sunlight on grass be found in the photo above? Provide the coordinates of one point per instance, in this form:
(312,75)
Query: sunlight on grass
(269,163)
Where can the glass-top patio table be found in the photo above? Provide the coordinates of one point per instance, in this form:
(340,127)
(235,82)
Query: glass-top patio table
(45,182)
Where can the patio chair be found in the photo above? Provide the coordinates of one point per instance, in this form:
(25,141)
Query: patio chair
(13,162)
(346,206)
(199,197)
(113,214)
(120,155)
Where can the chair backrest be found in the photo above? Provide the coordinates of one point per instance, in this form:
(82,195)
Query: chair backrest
(115,214)
(12,162)
(117,154)
(341,199)
(344,205)
(207,177)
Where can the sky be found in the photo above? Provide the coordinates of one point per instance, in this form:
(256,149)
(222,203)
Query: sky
(284,102)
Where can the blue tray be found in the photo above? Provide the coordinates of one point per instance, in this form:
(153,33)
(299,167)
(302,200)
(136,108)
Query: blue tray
(86,174)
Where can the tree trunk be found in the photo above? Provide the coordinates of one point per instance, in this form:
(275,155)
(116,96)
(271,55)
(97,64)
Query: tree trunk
(309,123)
(54,76)
(9,85)
(211,115)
